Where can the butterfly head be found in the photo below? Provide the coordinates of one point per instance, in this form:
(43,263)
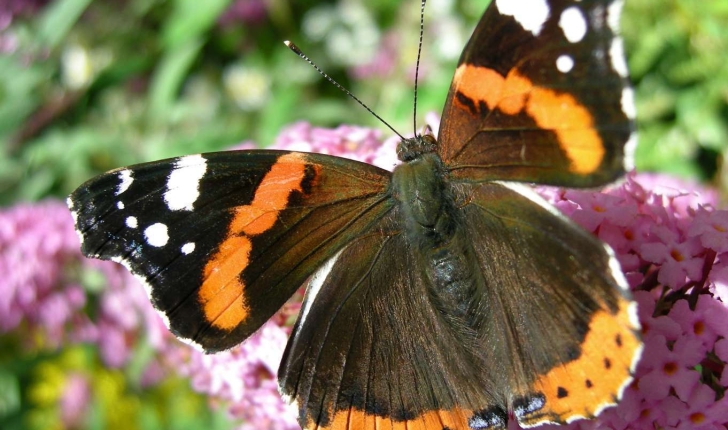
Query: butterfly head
(414,147)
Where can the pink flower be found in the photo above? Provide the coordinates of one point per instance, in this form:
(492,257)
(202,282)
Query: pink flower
(75,401)
(357,143)
(681,195)
(596,208)
(36,242)
(679,259)
(242,12)
(384,61)
(718,278)
(41,293)
(703,411)
(665,368)
(659,325)
(244,378)
(712,229)
(701,322)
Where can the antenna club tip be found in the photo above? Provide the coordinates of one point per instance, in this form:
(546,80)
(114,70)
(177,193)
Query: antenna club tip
(292,46)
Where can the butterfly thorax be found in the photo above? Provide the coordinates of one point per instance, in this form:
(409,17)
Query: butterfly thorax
(434,226)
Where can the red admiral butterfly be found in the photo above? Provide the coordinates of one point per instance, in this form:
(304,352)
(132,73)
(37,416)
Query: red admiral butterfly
(442,295)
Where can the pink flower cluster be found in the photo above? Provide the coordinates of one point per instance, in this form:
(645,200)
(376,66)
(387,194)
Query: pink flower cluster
(47,285)
(248,12)
(671,241)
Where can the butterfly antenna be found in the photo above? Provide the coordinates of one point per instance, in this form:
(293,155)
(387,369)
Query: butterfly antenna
(417,67)
(298,52)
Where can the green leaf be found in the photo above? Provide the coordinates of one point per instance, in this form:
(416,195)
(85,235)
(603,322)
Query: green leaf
(58,19)
(169,76)
(190,19)
(17,92)
(9,394)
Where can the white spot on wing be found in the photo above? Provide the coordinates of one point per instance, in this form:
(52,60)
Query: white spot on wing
(616,54)
(132,222)
(564,63)
(78,232)
(608,404)
(188,247)
(314,285)
(532,195)
(478,422)
(126,177)
(614,13)
(290,401)
(628,103)
(156,234)
(120,205)
(531,14)
(616,269)
(634,319)
(534,404)
(573,24)
(74,215)
(629,149)
(183,183)
(573,418)
(636,357)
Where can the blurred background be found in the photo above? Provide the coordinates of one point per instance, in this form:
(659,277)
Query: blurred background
(87,86)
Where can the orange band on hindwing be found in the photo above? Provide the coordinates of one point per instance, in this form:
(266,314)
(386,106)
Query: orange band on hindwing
(559,113)
(593,381)
(222,291)
(431,420)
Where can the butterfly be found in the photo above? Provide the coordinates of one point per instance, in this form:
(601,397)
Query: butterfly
(445,294)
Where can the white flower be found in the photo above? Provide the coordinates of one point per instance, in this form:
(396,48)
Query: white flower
(249,87)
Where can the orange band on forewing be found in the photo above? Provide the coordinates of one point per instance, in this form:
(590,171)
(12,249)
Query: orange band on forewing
(222,291)
(516,89)
(352,419)
(271,196)
(479,84)
(591,382)
(572,123)
(560,113)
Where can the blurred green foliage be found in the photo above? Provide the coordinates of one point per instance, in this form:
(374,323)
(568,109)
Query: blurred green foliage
(677,53)
(32,389)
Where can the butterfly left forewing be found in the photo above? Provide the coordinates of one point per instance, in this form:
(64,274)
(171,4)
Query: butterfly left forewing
(541,95)
(222,240)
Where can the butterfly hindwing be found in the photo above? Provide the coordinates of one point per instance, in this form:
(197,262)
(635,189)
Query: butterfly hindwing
(370,350)
(551,335)
(222,240)
(558,307)
(541,95)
